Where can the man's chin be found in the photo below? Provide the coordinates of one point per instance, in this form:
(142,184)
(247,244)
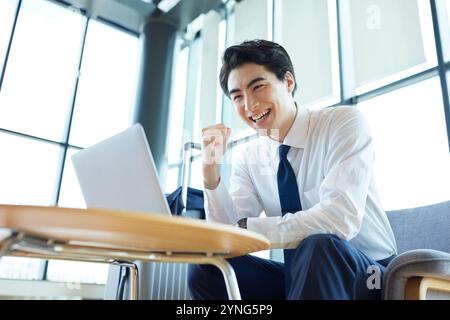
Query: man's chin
(273,133)
(262,130)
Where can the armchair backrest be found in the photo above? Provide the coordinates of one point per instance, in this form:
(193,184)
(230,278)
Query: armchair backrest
(425,227)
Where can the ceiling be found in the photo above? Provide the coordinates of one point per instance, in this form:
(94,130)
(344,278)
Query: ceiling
(132,14)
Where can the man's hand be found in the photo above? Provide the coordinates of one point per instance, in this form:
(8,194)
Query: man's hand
(214,144)
(242,223)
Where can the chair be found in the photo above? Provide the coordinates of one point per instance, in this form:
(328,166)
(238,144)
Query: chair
(422,268)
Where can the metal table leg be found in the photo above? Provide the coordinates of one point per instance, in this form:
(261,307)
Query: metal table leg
(133,278)
(229,277)
(134,281)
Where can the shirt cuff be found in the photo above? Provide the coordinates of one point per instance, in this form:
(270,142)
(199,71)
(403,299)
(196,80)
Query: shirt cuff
(270,228)
(265,226)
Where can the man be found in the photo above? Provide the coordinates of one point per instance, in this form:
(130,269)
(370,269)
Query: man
(311,172)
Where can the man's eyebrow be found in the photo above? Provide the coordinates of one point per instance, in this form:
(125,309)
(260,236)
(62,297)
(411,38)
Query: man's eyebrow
(249,84)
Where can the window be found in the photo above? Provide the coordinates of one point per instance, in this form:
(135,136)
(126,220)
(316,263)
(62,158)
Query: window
(44,54)
(444,24)
(7,12)
(38,85)
(447,7)
(256,11)
(172,179)
(239,29)
(176,134)
(21,268)
(77,272)
(106,89)
(412,163)
(209,76)
(307,29)
(191,116)
(70,195)
(391,40)
(28,171)
(221,48)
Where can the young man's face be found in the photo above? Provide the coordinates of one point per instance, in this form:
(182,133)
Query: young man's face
(262,100)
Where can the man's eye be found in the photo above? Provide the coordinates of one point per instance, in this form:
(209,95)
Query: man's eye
(237,98)
(258,86)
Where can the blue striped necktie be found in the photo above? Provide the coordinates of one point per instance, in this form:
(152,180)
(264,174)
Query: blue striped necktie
(289,198)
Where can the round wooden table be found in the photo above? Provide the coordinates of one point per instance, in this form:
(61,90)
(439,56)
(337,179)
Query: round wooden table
(123,237)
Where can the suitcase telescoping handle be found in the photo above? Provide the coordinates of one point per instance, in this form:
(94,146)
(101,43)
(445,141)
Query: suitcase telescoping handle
(188,158)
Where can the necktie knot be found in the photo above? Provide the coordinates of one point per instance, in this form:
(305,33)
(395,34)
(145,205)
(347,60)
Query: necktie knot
(283,151)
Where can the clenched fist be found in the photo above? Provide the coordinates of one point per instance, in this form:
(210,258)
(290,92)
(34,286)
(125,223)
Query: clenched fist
(214,143)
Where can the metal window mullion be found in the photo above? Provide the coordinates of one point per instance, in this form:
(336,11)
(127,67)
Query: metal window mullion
(441,67)
(70,116)
(404,82)
(28,136)
(8,49)
(345,53)
(40,139)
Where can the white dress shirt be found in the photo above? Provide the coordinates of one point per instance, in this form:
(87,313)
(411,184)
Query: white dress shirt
(332,157)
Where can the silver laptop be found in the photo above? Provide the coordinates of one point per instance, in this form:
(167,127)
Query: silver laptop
(119,173)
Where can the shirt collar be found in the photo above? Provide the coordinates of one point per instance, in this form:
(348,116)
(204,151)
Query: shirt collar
(298,133)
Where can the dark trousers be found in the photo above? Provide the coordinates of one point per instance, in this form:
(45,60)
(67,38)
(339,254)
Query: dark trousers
(323,267)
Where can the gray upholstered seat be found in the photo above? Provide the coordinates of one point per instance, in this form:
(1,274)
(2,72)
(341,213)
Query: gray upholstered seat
(423,241)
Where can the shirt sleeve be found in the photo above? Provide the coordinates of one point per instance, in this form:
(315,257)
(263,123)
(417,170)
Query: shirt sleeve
(348,166)
(240,201)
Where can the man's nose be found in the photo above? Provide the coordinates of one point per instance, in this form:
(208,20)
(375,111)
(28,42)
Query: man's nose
(250,104)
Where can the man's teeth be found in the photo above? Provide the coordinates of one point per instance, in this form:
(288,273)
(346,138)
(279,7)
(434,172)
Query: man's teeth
(259,116)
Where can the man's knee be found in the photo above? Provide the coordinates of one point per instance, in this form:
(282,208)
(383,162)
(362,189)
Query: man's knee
(320,242)
(322,249)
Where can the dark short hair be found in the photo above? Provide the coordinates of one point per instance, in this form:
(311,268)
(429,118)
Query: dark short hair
(269,54)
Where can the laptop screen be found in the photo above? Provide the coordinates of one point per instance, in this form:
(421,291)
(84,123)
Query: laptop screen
(119,173)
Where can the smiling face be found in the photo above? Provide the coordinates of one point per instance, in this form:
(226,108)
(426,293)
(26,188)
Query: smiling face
(262,100)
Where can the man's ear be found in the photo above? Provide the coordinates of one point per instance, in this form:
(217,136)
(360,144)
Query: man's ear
(290,81)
